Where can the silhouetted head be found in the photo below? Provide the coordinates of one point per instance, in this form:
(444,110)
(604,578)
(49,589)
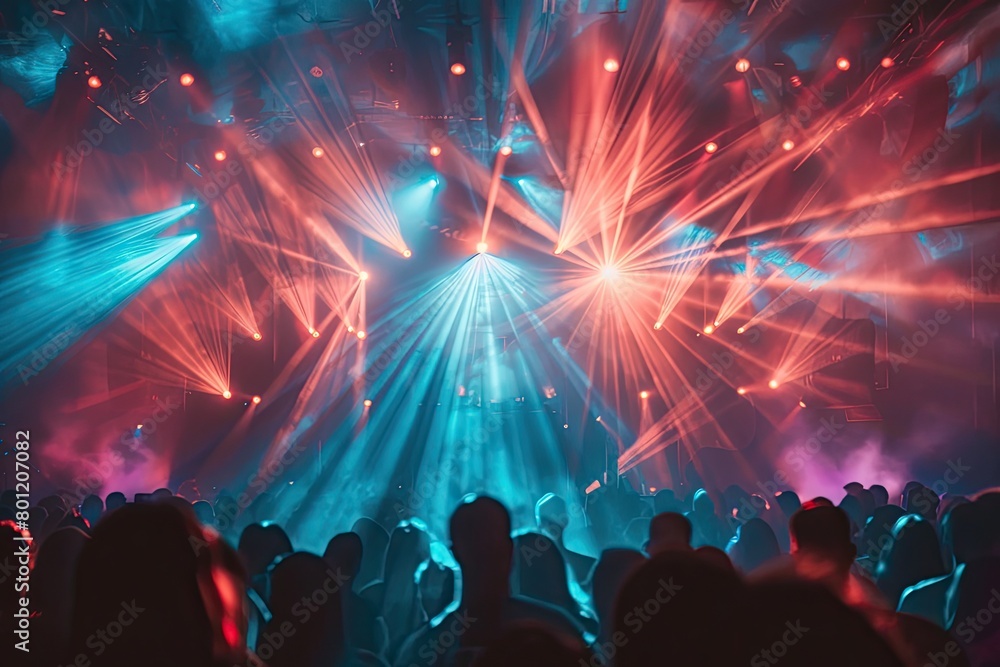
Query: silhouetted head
(880,494)
(912,555)
(755,545)
(162,494)
(606,578)
(344,552)
(540,571)
(669,531)
(822,535)
(259,545)
(374,541)
(203,510)
(789,502)
(551,515)
(303,583)
(702,503)
(481,541)
(114,500)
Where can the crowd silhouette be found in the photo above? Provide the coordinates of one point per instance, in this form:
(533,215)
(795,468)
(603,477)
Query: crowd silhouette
(699,578)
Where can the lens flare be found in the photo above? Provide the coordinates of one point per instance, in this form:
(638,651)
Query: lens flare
(227,394)
(435,151)
(256,400)
(742,65)
(481,247)
(611,65)
(711,147)
(220,156)
(186,79)
(317,152)
(458,69)
(256,335)
(363,276)
(774,384)
(843,64)
(95,82)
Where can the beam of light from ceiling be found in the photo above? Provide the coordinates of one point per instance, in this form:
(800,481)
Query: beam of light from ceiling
(60,287)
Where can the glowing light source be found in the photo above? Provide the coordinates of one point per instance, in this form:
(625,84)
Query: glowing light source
(742,65)
(458,69)
(843,64)
(711,147)
(361,335)
(643,394)
(741,390)
(350,329)
(434,181)
(256,400)
(506,150)
(316,72)
(407,254)
(186,79)
(611,65)
(610,272)
(740,330)
(227,394)
(435,151)
(138,427)
(709,329)
(788,144)
(802,403)
(658,326)
(481,247)
(94,82)
(256,335)
(220,156)
(315,334)
(773,384)
(363,276)
(368,402)
(317,152)
(888,62)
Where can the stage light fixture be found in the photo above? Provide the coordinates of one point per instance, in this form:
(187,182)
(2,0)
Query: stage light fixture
(742,65)
(368,402)
(316,72)
(740,330)
(888,62)
(644,394)
(317,152)
(802,403)
(773,384)
(361,335)
(435,151)
(711,147)
(256,335)
(611,65)
(658,326)
(256,400)
(565,425)
(506,150)
(741,390)
(363,276)
(458,69)
(220,156)
(315,334)
(186,79)
(138,427)
(610,272)
(227,394)
(407,254)
(787,144)
(481,247)
(843,64)
(709,329)
(95,82)
(434,182)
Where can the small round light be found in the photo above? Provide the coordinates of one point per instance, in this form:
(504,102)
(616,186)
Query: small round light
(506,150)
(843,64)
(565,425)
(316,72)
(888,62)
(95,82)
(802,403)
(741,390)
(368,402)
(773,384)
(435,151)
(740,330)
(708,329)
(787,144)
(315,334)
(138,427)
(186,79)
(361,335)
(317,152)
(227,394)
(711,147)
(350,329)
(658,326)
(481,247)
(363,276)
(458,69)
(256,335)
(611,65)
(643,394)
(742,65)
(256,400)
(220,156)
(407,254)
